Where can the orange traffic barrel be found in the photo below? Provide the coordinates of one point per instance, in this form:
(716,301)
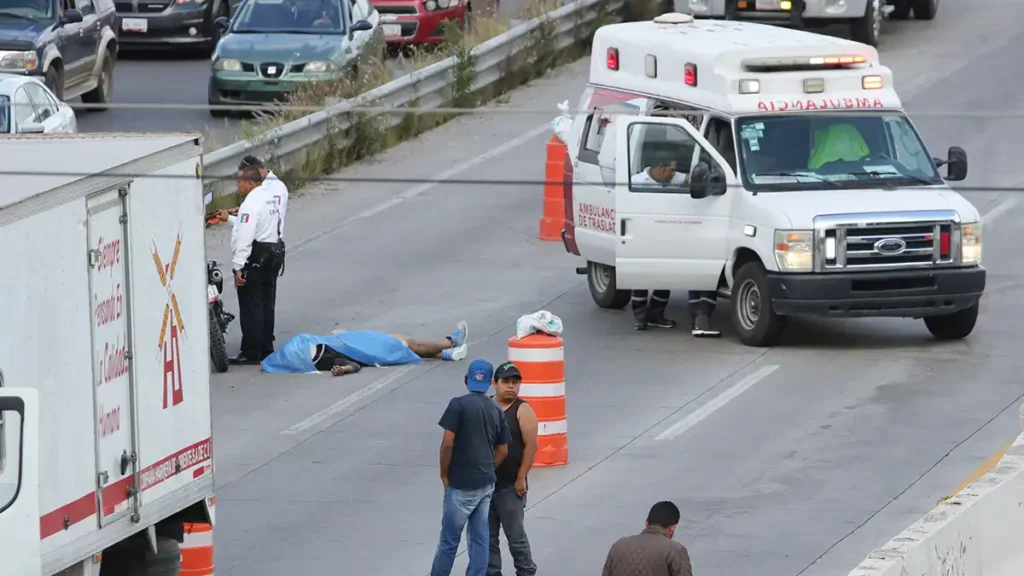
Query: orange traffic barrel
(197,550)
(541,360)
(552,220)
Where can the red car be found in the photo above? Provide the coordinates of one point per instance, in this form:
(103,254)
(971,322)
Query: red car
(419,21)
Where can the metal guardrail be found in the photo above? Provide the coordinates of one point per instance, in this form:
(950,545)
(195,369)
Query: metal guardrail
(290,144)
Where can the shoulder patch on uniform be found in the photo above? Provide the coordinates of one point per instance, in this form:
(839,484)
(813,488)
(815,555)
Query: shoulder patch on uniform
(243,218)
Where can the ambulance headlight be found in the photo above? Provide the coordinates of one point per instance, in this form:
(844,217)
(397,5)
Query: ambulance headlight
(970,244)
(794,250)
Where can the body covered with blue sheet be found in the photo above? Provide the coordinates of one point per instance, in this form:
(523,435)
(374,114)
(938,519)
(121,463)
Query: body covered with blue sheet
(364,346)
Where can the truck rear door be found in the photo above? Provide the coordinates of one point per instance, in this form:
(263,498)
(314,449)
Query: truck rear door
(668,239)
(113,392)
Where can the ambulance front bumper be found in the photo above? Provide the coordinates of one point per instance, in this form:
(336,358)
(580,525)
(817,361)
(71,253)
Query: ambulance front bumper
(904,294)
(771,10)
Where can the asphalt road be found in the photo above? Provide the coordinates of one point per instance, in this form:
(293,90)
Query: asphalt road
(168,78)
(850,431)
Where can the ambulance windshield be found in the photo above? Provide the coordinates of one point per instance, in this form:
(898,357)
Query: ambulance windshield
(826,151)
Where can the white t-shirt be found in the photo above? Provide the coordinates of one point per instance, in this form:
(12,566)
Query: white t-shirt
(644,179)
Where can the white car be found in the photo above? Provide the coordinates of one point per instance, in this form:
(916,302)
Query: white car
(27,106)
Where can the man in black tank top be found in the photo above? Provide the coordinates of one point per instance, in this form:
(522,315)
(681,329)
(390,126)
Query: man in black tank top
(508,504)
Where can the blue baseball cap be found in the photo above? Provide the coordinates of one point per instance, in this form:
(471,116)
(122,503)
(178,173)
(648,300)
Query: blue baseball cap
(478,377)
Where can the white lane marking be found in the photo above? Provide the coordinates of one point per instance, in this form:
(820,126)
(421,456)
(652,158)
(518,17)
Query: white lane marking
(421,188)
(348,401)
(999,210)
(698,415)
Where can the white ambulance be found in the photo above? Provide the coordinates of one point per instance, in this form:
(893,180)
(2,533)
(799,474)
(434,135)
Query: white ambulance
(771,165)
(864,17)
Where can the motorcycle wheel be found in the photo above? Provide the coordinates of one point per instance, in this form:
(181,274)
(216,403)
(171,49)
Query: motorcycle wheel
(218,348)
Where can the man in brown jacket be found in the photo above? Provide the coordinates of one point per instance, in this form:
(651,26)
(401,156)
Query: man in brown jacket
(651,552)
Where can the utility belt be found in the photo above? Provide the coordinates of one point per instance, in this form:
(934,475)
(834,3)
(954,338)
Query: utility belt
(266,255)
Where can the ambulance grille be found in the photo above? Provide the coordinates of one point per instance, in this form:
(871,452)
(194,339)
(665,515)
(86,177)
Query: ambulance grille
(886,241)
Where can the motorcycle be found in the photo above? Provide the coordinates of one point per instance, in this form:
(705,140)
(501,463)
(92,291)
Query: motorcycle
(220,319)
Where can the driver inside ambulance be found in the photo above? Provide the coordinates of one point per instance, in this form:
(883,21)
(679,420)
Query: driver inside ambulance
(661,174)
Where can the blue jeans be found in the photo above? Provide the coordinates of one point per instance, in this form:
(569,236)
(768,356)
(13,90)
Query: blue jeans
(462,507)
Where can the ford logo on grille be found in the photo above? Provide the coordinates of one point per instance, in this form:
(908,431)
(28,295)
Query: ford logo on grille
(890,246)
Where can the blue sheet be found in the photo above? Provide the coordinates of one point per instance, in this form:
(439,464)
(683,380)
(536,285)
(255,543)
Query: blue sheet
(371,348)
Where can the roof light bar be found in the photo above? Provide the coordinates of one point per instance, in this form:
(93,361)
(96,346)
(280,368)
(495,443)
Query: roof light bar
(804,63)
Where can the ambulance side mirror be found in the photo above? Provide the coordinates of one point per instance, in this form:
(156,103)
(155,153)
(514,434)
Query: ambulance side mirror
(956,164)
(704,183)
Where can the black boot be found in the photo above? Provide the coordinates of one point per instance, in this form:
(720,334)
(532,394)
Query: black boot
(702,327)
(661,322)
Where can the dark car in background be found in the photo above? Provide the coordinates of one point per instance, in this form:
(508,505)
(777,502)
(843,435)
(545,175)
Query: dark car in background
(70,44)
(272,47)
(155,24)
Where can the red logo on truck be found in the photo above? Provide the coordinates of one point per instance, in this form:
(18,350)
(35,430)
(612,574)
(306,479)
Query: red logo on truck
(168,344)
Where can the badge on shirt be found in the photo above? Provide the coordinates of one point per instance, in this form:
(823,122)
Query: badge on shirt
(244,218)
(278,200)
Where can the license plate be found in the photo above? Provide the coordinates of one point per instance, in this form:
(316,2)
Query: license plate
(392,30)
(135,25)
(211,292)
(767,5)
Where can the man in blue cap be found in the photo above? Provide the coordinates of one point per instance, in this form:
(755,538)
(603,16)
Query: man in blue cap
(475,442)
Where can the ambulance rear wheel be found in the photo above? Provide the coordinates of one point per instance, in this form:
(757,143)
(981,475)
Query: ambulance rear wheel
(753,318)
(601,279)
(868,28)
(955,326)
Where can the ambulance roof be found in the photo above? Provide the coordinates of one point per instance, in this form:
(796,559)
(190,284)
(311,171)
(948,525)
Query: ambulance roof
(792,69)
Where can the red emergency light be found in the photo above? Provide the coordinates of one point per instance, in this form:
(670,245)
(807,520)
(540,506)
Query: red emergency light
(944,244)
(690,74)
(613,58)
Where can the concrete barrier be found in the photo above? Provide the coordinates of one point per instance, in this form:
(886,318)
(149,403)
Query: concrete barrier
(977,532)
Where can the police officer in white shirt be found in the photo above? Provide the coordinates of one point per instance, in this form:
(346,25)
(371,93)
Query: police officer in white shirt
(280,193)
(256,258)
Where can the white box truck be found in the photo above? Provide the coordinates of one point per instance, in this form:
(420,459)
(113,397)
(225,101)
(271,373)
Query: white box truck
(105,391)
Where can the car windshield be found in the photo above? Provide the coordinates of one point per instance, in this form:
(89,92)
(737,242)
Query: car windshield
(26,9)
(290,17)
(5,115)
(825,151)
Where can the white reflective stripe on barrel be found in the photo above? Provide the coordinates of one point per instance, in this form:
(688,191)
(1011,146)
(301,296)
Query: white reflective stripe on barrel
(553,427)
(536,354)
(198,539)
(529,390)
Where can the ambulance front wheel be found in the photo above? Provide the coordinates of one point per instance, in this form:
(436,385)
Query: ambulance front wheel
(753,318)
(601,279)
(955,326)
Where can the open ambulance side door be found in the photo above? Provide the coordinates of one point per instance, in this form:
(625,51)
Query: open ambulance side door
(672,234)
(19,482)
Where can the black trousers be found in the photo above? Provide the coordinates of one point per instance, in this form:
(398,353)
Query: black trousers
(256,301)
(644,309)
(701,302)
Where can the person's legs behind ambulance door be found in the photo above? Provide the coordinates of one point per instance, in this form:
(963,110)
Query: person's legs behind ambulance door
(652,312)
(702,305)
